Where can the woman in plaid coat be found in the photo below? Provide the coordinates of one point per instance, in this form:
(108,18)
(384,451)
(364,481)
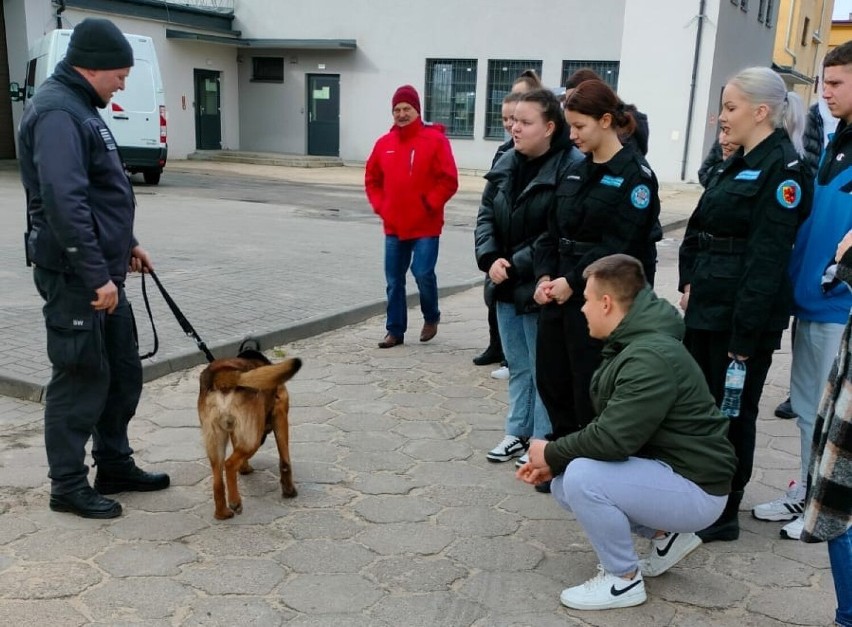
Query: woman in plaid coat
(828,514)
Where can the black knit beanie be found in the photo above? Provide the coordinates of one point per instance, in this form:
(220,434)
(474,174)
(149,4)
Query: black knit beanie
(97,44)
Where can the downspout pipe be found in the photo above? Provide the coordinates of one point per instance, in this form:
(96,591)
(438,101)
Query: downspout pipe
(60,8)
(693,87)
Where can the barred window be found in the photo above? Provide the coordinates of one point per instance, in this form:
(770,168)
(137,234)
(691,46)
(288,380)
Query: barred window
(501,74)
(267,69)
(607,70)
(451,94)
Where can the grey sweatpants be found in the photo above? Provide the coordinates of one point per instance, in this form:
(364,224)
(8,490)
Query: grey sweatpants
(643,496)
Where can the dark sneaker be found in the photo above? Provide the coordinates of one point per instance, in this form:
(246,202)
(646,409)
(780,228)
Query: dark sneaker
(510,447)
(722,530)
(86,503)
(490,355)
(133,480)
(785,410)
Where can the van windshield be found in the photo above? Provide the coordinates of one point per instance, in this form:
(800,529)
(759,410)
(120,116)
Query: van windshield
(138,93)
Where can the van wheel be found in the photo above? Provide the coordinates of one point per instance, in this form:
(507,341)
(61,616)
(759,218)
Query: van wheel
(152,177)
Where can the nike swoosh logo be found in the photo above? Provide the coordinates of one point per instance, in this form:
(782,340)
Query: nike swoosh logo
(617,593)
(665,549)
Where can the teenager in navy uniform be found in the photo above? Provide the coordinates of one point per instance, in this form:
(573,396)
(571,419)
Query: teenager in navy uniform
(606,204)
(737,295)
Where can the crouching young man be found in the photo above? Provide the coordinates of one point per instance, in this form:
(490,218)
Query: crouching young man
(655,460)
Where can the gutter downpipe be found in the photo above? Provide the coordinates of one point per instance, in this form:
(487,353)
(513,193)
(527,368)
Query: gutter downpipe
(692,88)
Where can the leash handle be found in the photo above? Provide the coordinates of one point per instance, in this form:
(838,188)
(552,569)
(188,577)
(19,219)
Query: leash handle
(178,314)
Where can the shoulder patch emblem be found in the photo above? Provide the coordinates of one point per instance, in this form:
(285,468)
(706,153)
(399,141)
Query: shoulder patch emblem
(789,194)
(646,170)
(640,197)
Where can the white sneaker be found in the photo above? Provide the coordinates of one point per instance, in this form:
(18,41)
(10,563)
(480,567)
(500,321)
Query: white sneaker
(605,591)
(523,459)
(668,551)
(787,507)
(793,530)
(510,446)
(501,373)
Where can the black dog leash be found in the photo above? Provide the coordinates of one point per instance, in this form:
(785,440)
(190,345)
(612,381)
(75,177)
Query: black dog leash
(182,321)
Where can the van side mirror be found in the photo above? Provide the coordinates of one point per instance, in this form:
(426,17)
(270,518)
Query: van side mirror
(16,93)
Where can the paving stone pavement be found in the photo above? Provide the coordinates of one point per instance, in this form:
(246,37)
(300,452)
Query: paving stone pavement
(399,521)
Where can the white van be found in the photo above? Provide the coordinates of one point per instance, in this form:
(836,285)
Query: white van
(136,116)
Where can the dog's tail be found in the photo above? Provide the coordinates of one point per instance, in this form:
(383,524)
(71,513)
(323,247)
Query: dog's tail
(269,377)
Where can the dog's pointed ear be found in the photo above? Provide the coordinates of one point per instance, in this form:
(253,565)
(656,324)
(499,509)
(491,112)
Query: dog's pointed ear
(250,344)
(252,354)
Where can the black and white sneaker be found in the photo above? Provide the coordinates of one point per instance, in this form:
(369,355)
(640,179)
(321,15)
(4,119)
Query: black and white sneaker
(604,592)
(668,551)
(510,446)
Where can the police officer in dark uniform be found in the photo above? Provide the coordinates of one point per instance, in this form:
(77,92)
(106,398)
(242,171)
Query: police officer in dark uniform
(734,256)
(80,241)
(606,204)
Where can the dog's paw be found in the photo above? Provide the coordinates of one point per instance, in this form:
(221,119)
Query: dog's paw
(224,515)
(246,469)
(236,508)
(289,493)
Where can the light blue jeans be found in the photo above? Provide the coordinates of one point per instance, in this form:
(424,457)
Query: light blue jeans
(814,351)
(527,416)
(642,496)
(840,554)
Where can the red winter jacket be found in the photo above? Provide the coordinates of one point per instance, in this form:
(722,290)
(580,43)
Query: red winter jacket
(410,176)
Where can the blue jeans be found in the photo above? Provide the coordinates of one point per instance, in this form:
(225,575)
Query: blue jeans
(840,554)
(398,258)
(527,415)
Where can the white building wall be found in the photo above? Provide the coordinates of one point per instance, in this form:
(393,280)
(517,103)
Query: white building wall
(28,20)
(392,47)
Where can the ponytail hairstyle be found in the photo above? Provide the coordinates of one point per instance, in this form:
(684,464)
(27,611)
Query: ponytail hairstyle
(761,85)
(551,111)
(529,79)
(595,99)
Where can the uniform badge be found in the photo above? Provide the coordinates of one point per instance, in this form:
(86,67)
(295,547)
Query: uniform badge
(612,181)
(640,196)
(789,194)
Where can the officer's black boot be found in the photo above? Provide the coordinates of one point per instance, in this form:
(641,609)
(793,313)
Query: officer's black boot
(494,353)
(727,526)
(129,478)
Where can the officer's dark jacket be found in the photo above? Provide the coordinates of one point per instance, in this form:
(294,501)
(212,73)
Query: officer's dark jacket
(603,208)
(737,246)
(79,199)
(509,230)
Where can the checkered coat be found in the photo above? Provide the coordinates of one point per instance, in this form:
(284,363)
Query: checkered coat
(828,513)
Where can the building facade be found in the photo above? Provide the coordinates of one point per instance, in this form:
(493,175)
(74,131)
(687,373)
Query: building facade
(316,76)
(801,42)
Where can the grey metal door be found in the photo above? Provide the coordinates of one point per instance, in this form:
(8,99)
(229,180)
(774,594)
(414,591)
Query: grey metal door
(208,114)
(324,114)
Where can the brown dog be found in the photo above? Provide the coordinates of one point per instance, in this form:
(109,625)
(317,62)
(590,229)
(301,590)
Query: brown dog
(243,399)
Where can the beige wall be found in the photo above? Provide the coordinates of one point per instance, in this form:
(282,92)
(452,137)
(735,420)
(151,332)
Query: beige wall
(790,51)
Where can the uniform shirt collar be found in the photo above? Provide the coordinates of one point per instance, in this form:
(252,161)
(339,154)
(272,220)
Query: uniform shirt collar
(617,165)
(764,148)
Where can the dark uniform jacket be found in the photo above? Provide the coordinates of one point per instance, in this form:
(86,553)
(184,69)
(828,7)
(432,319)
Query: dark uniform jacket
(79,199)
(738,242)
(601,209)
(651,401)
(509,229)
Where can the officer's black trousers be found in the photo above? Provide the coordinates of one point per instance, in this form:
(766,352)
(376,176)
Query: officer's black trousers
(566,358)
(710,350)
(96,381)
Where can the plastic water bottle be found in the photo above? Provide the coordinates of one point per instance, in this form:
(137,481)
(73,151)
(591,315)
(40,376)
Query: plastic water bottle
(734,382)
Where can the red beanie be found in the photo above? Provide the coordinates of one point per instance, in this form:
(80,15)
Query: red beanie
(406,94)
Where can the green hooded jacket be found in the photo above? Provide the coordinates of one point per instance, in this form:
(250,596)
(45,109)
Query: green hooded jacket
(652,401)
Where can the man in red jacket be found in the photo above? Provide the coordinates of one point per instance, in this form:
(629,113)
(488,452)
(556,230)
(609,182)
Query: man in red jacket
(410,176)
